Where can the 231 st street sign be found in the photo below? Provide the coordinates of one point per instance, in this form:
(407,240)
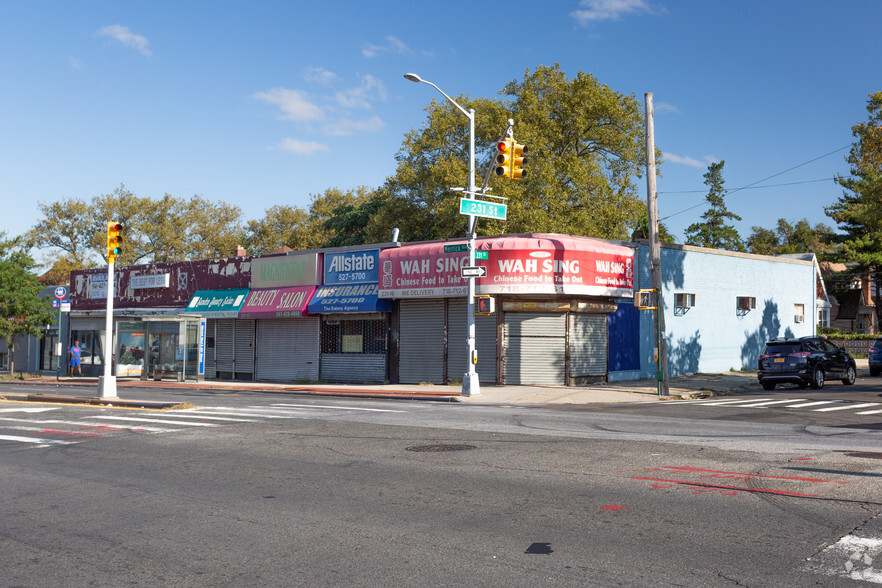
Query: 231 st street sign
(482,208)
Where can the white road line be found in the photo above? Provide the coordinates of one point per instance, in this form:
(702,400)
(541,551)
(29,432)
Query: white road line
(731,402)
(85,424)
(198,413)
(847,407)
(339,407)
(35,440)
(771,402)
(157,421)
(870,412)
(209,418)
(29,409)
(815,403)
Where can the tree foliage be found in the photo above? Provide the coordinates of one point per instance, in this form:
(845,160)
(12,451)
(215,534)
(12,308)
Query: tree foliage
(801,237)
(713,232)
(22,311)
(858,212)
(154,230)
(585,146)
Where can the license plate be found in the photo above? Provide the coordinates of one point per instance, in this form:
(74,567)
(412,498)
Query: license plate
(779,360)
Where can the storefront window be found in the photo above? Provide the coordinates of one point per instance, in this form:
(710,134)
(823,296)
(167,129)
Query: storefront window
(130,356)
(91,347)
(353,336)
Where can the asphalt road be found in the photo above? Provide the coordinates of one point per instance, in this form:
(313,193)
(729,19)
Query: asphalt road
(290,491)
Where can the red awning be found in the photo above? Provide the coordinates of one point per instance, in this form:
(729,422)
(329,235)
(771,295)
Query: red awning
(289,302)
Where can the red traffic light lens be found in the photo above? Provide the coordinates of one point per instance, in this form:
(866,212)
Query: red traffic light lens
(502,146)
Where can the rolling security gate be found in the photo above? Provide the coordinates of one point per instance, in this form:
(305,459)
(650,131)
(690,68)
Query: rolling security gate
(588,345)
(288,349)
(534,348)
(421,341)
(457,343)
(234,349)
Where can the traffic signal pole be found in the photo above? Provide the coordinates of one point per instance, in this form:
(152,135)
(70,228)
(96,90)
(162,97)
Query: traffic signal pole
(107,382)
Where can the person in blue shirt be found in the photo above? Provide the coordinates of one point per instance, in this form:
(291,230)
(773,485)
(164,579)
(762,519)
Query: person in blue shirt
(75,358)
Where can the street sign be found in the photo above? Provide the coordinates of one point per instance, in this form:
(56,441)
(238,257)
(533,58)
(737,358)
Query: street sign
(456,248)
(482,208)
(60,292)
(481,255)
(473,271)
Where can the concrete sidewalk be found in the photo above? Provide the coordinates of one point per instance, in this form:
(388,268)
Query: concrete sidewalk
(84,390)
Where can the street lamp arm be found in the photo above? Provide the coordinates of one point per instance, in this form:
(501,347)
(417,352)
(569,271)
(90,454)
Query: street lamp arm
(419,80)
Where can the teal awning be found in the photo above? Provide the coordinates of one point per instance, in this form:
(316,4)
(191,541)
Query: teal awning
(218,303)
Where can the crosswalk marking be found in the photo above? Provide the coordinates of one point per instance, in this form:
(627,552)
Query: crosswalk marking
(157,421)
(847,407)
(870,412)
(340,407)
(210,418)
(815,403)
(771,402)
(35,440)
(81,423)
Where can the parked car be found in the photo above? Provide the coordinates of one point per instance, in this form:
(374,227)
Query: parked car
(876,358)
(806,361)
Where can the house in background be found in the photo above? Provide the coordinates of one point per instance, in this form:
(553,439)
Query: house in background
(853,308)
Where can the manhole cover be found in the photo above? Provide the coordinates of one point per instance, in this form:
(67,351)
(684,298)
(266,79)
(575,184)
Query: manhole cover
(867,454)
(440,447)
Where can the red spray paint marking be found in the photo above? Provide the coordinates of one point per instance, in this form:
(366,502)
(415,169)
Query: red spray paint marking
(614,507)
(736,488)
(719,474)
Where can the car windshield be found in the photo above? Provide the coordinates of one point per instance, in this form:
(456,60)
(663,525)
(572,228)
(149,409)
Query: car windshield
(782,348)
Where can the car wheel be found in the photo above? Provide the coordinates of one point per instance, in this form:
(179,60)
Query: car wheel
(818,378)
(767,385)
(850,376)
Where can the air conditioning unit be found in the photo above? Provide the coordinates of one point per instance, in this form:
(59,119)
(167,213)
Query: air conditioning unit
(746,303)
(683,300)
(798,318)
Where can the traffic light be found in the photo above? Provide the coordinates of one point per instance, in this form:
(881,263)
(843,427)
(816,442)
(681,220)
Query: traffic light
(503,158)
(114,241)
(484,305)
(518,161)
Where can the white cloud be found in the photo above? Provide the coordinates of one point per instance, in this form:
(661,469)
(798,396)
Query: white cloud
(691,162)
(319,75)
(393,45)
(75,63)
(596,10)
(664,107)
(346,126)
(126,37)
(294,104)
(370,89)
(298,147)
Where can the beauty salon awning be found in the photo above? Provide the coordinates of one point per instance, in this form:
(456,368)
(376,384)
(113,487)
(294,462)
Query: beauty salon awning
(288,302)
(217,303)
(348,298)
(516,264)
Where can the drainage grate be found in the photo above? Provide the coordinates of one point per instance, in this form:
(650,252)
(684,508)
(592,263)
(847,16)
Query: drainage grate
(440,447)
(867,454)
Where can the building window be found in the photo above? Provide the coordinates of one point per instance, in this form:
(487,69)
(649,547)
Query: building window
(683,300)
(823,317)
(745,303)
(799,313)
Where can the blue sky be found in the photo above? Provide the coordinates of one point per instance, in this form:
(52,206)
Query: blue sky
(261,103)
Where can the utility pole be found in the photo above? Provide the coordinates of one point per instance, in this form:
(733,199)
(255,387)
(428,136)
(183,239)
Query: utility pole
(655,252)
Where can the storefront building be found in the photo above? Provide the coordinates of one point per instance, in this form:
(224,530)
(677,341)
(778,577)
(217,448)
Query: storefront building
(354,320)
(553,295)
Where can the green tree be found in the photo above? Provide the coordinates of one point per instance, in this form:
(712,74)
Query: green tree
(858,212)
(165,229)
(22,311)
(713,232)
(585,146)
(801,237)
(642,230)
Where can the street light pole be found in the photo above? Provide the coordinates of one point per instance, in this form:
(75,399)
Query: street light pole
(470,384)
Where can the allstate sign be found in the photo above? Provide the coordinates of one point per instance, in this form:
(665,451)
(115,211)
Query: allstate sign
(352,267)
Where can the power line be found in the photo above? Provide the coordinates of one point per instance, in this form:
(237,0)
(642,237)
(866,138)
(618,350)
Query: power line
(752,184)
